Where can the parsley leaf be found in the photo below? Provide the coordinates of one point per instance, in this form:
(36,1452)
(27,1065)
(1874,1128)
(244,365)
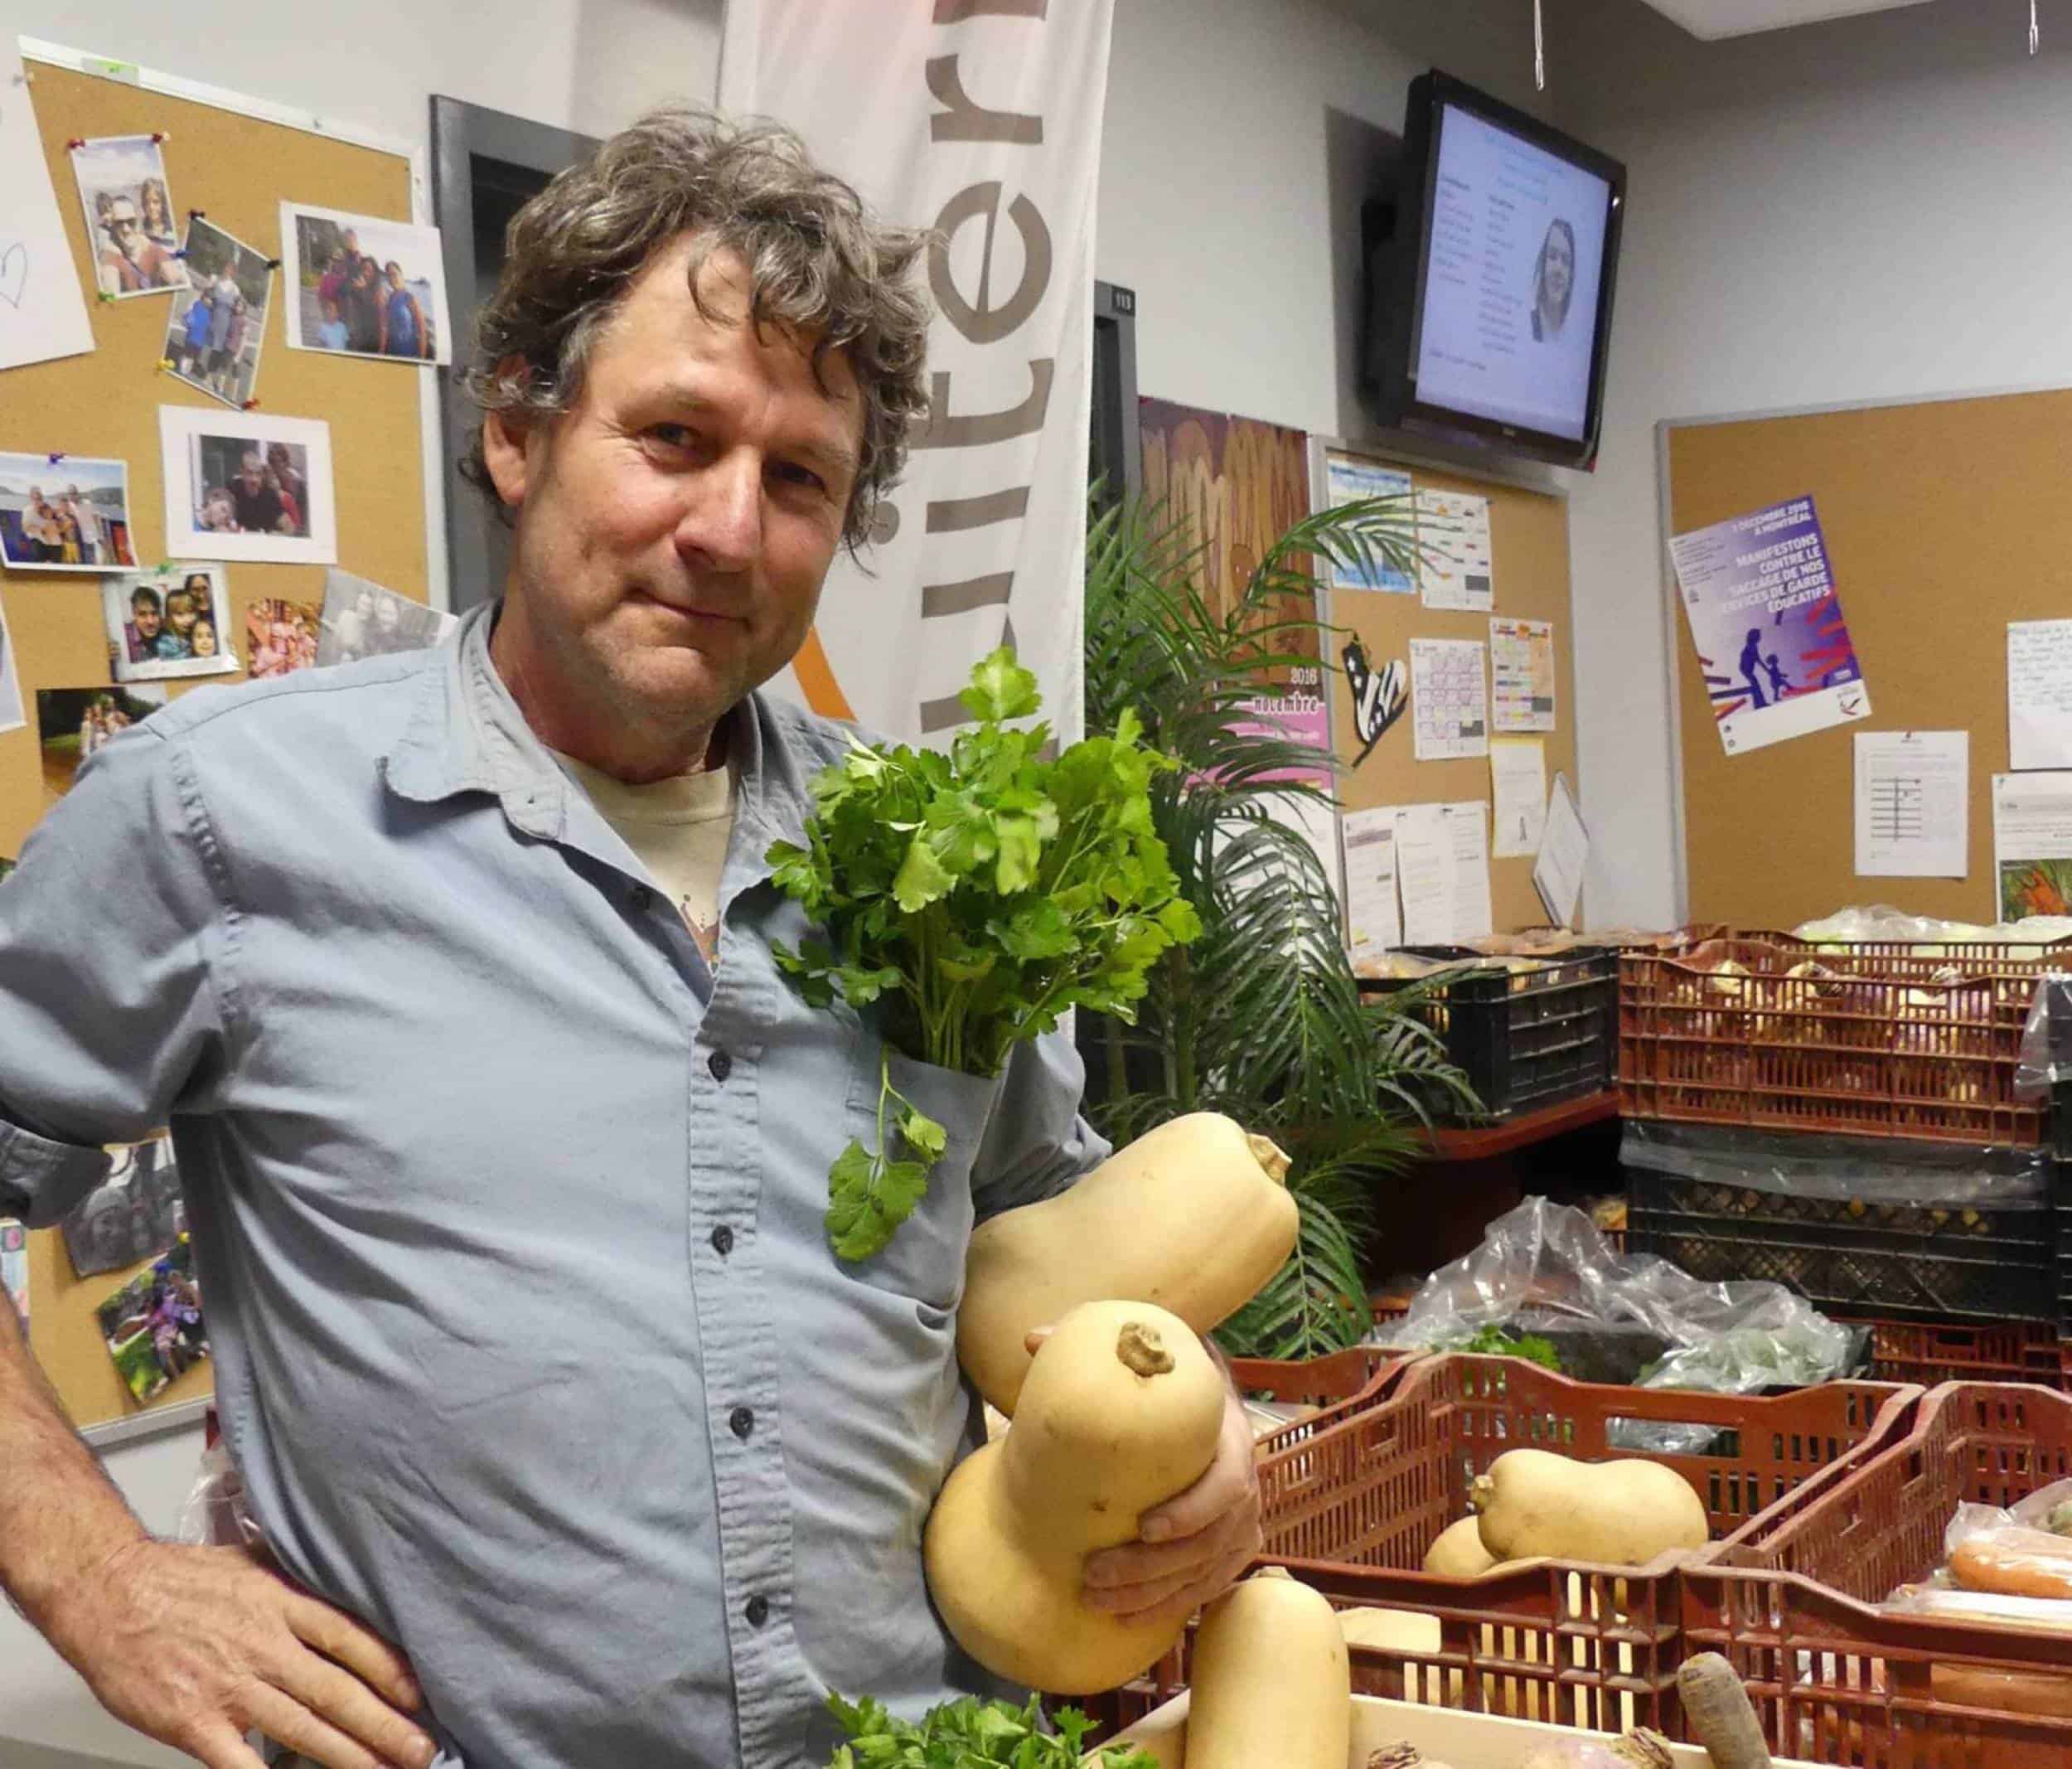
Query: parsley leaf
(968,898)
(969,1734)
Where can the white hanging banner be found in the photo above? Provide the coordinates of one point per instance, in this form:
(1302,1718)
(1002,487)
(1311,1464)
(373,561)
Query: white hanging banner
(979,120)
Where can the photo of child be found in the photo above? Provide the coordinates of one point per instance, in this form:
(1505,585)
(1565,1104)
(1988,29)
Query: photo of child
(365,286)
(361,619)
(280,636)
(73,724)
(136,1213)
(152,1326)
(217,319)
(167,624)
(248,487)
(64,512)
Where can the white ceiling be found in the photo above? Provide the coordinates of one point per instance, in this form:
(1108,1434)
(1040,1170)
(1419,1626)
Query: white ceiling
(1712,19)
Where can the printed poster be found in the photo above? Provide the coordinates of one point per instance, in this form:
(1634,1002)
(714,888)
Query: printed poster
(1374,919)
(1349,480)
(1520,676)
(2033,844)
(1450,700)
(1774,650)
(1453,569)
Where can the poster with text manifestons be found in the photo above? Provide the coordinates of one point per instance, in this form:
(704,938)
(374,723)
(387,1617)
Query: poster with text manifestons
(1775,652)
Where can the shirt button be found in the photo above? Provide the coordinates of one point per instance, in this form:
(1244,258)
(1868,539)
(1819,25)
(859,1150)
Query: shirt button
(640,897)
(721,1065)
(758,1611)
(741,1422)
(723,1240)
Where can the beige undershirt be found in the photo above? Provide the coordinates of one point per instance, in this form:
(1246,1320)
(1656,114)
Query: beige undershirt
(677,828)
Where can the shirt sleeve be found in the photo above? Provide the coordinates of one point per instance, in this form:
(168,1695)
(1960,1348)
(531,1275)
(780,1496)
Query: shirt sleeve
(1037,1144)
(111,1018)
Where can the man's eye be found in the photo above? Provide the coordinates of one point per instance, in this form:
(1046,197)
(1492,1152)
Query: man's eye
(673,435)
(791,473)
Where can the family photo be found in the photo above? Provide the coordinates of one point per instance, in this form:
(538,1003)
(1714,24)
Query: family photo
(65,512)
(167,624)
(280,636)
(135,1212)
(122,191)
(363,286)
(218,319)
(72,722)
(361,619)
(11,718)
(251,488)
(152,1326)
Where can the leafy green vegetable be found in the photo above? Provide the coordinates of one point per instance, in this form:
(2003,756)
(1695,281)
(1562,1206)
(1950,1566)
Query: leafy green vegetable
(968,899)
(1493,1341)
(968,1734)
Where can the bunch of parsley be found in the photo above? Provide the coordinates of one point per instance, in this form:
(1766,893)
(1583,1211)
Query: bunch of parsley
(969,1734)
(968,898)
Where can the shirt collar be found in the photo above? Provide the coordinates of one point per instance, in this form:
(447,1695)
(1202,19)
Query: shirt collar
(466,734)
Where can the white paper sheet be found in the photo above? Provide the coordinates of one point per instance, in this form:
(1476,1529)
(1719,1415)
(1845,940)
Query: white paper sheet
(2033,844)
(11,715)
(42,308)
(1442,872)
(1450,699)
(1521,675)
(1315,821)
(1374,920)
(1557,875)
(2039,694)
(1468,836)
(1454,569)
(1517,795)
(1913,804)
(14,1264)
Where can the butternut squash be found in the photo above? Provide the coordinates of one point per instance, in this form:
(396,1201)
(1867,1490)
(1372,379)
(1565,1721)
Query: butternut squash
(1122,1409)
(1271,1682)
(1193,1216)
(1532,1502)
(1459,1553)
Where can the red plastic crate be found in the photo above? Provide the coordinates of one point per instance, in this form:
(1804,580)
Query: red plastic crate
(1870,1044)
(1793,1602)
(1353,1510)
(1339,1384)
(1930,1354)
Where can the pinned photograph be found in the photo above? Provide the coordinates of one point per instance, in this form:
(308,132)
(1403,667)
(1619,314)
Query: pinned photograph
(65,512)
(152,1326)
(249,487)
(361,286)
(6,867)
(218,318)
(134,1214)
(73,723)
(361,619)
(128,207)
(168,624)
(280,636)
(14,1249)
(11,715)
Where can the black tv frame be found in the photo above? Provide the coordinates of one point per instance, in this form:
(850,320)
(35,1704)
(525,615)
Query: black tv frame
(1397,269)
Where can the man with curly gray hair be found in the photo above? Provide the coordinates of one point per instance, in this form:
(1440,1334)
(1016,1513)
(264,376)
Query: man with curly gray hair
(505,1140)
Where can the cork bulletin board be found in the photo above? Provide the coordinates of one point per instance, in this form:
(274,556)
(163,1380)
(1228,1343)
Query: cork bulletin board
(237,167)
(1529,549)
(1944,520)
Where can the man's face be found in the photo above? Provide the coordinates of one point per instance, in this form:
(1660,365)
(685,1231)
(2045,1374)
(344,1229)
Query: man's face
(254,473)
(146,615)
(122,226)
(673,527)
(1561,266)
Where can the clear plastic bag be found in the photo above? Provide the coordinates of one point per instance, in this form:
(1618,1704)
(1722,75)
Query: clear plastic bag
(1842,1169)
(2046,1040)
(216,1514)
(1545,1268)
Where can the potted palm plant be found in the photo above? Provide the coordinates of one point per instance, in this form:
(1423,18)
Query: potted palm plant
(1261,1018)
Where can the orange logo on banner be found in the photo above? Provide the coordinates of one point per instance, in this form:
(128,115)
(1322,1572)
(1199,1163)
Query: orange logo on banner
(817,678)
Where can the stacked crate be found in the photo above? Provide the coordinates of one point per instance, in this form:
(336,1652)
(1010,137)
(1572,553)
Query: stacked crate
(1903,1054)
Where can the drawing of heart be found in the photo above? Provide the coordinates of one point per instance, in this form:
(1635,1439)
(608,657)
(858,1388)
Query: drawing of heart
(14,273)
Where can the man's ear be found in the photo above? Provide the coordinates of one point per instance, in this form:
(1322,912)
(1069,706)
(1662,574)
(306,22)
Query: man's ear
(508,439)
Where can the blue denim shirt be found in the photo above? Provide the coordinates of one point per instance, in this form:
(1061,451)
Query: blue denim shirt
(529,1340)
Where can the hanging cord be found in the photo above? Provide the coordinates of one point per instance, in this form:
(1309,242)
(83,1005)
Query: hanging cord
(2032,26)
(1539,43)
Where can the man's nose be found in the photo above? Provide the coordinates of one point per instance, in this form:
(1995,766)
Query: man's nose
(724,523)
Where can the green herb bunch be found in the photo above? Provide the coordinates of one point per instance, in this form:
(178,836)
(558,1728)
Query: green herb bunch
(968,898)
(1493,1341)
(969,1734)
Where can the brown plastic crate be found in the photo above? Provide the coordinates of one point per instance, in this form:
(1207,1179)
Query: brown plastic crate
(1872,1044)
(2031,955)
(1339,1384)
(1354,1511)
(1792,1602)
(1930,1354)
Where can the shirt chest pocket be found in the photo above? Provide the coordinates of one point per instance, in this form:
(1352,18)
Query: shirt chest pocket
(925,1259)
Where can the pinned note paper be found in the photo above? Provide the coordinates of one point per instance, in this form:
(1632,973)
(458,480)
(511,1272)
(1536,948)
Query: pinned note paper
(1442,871)
(1913,804)
(1517,795)
(2039,694)
(1374,921)
(1564,851)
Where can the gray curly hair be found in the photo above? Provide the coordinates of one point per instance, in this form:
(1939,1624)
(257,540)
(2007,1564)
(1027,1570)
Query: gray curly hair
(820,264)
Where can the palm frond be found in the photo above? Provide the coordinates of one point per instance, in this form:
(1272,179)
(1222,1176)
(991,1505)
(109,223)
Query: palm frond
(1316,1303)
